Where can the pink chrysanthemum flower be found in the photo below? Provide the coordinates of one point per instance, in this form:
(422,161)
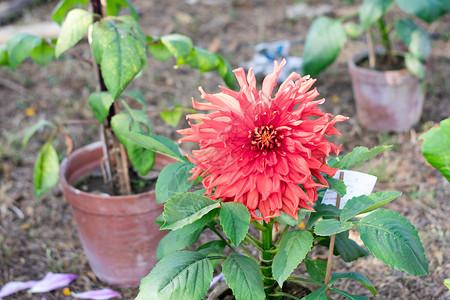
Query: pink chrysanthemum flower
(265,152)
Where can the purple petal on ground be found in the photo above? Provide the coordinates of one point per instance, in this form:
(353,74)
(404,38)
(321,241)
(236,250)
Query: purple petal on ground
(52,282)
(102,294)
(15,286)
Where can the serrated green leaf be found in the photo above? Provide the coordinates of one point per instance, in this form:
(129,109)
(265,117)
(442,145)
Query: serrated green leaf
(353,30)
(173,180)
(119,47)
(173,116)
(159,51)
(316,268)
(226,72)
(179,45)
(177,240)
(139,117)
(348,249)
(366,203)
(415,66)
(427,10)
(235,221)
(322,210)
(436,147)
(286,219)
(183,209)
(336,185)
(372,10)
(74,28)
(357,156)
(414,37)
(141,158)
(46,169)
(393,240)
(319,294)
(203,60)
(43,54)
(62,7)
(181,275)
(329,227)
(100,102)
(20,47)
(293,249)
(324,41)
(243,277)
(32,130)
(355,276)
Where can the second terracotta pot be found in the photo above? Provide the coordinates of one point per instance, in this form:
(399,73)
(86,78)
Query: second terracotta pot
(386,100)
(118,233)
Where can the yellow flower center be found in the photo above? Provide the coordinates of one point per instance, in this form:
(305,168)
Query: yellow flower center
(263,138)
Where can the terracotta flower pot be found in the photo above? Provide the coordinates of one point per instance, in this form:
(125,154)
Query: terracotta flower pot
(118,233)
(386,100)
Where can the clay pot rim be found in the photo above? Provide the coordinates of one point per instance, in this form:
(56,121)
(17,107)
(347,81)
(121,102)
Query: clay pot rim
(361,55)
(64,182)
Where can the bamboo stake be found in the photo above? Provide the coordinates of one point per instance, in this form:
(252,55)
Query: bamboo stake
(371,49)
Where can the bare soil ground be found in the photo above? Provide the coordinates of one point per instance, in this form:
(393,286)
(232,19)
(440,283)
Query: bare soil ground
(38,234)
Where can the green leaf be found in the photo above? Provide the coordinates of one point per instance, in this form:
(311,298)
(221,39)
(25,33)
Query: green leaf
(372,10)
(243,277)
(141,158)
(293,249)
(173,180)
(286,219)
(218,245)
(447,283)
(394,241)
(179,45)
(436,147)
(357,156)
(336,185)
(60,10)
(20,47)
(119,47)
(43,54)
(322,210)
(226,72)
(235,220)
(349,296)
(153,142)
(138,116)
(181,275)
(415,66)
(414,37)
(100,103)
(348,249)
(355,276)
(366,203)
(46,169)
(159,51)
(324,41)
(173,116)
(316,268)
(74,28)
(427,10)
(329,227)
(203,60)
(113,8)
(32,130)
(4,55)
(183,209)
(353,30)
(177,240)
(319,294)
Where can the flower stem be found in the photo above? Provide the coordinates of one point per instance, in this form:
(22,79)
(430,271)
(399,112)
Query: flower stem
(254,241)
(248,253)
(222,238)
(267,258)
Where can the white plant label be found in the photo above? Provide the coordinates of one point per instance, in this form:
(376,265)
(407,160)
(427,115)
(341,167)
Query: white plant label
(357,184)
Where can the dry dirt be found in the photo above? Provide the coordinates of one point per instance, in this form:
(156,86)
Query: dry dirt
(37,234)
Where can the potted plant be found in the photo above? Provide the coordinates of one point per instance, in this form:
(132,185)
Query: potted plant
(116,225)
(388,85)
(263,165)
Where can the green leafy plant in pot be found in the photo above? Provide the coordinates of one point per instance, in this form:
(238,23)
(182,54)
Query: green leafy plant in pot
(388,85)
(263,165)
(117,229)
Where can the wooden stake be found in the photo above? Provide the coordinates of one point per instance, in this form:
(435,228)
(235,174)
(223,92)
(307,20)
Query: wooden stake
(332,240)
(371,49)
